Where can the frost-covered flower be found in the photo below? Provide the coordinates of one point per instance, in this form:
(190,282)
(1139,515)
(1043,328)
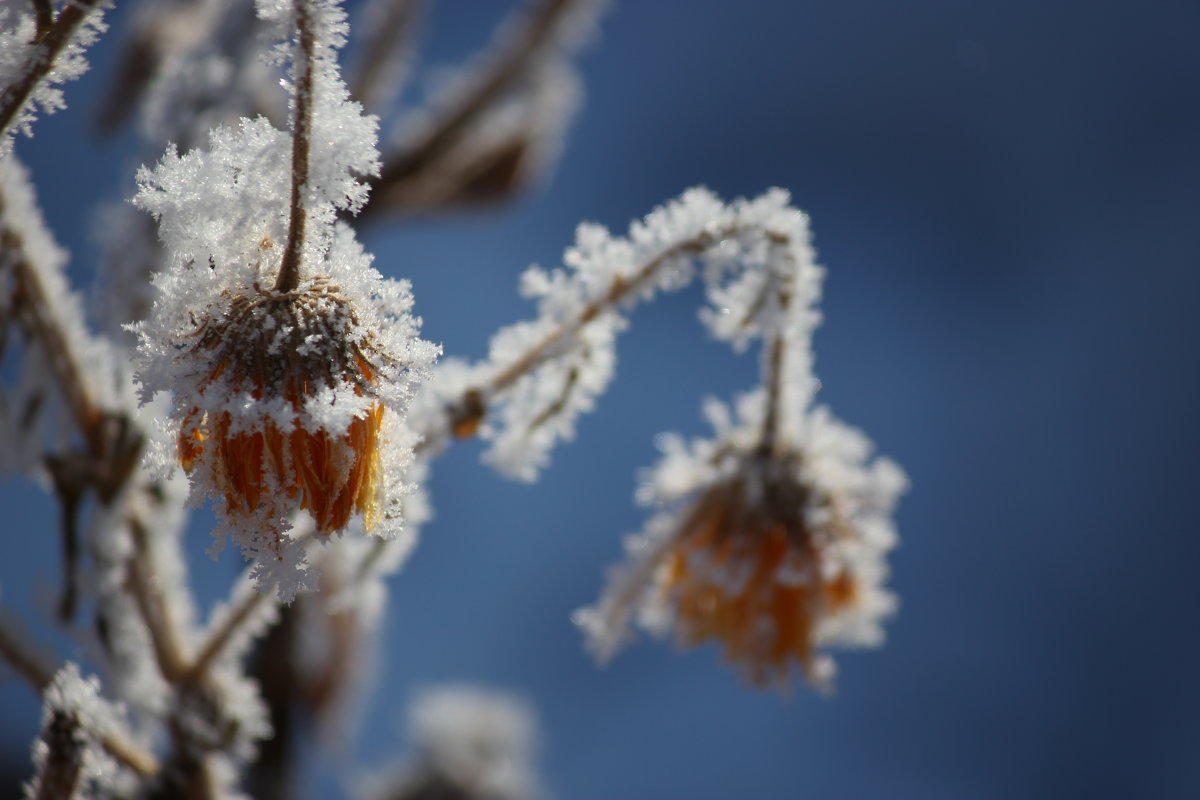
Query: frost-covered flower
(289,400)
(292,361)
(283,350)
(773,553)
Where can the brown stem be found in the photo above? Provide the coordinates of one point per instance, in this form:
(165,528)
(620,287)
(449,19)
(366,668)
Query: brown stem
(219,639)
(22,658)
(153,606)
(468,412)
(773,384)
(533,34)
(44,14)
(41,60)
(289,270)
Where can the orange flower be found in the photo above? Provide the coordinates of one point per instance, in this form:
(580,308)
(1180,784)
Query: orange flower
(288,347)
(746,569)
(775,553)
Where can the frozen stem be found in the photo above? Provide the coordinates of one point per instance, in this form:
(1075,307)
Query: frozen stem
(472,407)
(220,638)
(773,382)
(152,605)
(289,270)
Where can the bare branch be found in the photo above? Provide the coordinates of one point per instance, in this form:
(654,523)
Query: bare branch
(23,657)
(220,638)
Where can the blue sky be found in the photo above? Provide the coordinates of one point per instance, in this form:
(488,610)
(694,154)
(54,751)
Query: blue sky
(1003,194)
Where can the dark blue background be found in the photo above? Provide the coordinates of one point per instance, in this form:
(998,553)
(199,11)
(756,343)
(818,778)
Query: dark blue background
(1005,196)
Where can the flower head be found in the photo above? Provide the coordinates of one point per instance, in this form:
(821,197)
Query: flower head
(288,401)
(772,553)
(281,352)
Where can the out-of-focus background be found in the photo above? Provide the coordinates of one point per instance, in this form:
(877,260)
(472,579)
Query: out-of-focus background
(1005,196)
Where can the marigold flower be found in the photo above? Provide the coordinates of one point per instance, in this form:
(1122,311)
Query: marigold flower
(775,555)
(289,346)
(747,569)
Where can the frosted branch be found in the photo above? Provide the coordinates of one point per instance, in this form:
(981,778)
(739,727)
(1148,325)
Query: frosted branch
(541,374)
(46,56)
(244,618)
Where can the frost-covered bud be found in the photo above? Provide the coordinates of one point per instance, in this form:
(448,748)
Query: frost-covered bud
(291,358)
(772,553)
(289,400)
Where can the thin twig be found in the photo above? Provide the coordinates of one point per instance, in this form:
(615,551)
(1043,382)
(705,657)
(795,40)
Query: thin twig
(22,657)
(388,34)
(32,309)
(773,360)
(41,60)
(534,32)
(469,410)
(620,289)
(154,607)
(289,270)
(219,639)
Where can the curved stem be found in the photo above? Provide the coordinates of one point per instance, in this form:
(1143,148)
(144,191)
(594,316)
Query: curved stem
(289,270)
(618,290)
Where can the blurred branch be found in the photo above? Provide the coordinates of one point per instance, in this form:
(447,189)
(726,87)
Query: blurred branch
(153,606)
(42,59)
(535,28)
(391,24)
(220,638)
(20,655)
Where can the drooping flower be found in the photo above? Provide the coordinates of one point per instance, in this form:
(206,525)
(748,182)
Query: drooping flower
(773,554)
(289,401)
(291,398)
(284,350)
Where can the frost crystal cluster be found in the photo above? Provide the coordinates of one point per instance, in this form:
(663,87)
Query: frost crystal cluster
(242,337)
